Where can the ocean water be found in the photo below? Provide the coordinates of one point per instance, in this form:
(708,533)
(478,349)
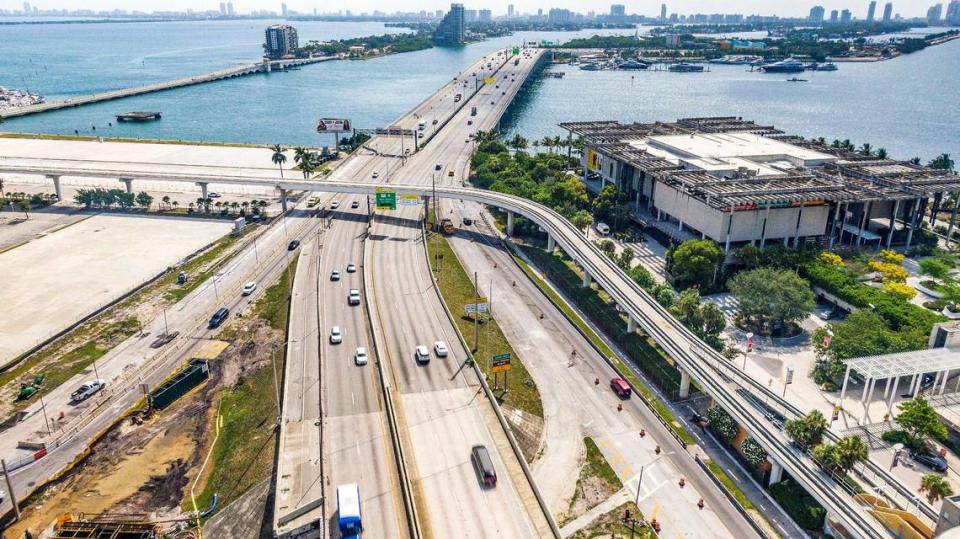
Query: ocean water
(908,105)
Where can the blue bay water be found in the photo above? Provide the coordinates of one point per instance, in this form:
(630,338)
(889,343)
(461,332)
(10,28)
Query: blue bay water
(907,105)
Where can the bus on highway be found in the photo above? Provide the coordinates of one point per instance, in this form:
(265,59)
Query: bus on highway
(348,511)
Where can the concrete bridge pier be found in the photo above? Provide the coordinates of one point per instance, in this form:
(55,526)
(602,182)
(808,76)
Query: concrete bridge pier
(776,472)
(509,223)
(128,182)
(56,185)
(631,324)
(684,384)
(586,279)
(283,200)
(203,189)
(551,244)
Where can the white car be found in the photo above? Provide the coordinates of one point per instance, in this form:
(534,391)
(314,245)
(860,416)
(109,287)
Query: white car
(360,357)
(376,174)
(249,288)
(336,337)
(440,348)
(355,204)
(421,354)
(213,194)
(334,275)
(354,297)
(351,268)
(335,204)
(87,390)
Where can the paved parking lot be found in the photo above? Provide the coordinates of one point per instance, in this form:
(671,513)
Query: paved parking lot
(52,281)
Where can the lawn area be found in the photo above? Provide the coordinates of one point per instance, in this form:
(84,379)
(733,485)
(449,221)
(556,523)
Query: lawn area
(596,483)
(612,524)
(272,306)
(200,268)
(457,290)
(631,343)
(730,485)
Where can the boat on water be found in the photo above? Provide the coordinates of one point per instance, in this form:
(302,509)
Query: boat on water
(632,64)
(790,65)
(734,60)
(684,67)
(829,66)
(795,79)
(590,67)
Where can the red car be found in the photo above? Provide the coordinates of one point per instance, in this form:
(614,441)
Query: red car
(620,387)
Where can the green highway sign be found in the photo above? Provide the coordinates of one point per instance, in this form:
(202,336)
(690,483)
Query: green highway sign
(386,200)
(502,357)
(516,51)
(500,363)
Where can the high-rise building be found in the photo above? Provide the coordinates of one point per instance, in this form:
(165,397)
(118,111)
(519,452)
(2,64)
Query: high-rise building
(663,12)
(283,9)
(846,16)
(281,41)
(230,10)
(618,10)
(510,11)
(953,13)
(223,8)
(470,15)
(26,8)
(816,14)
(887,11)
(485,15)
(934,14)
(834,15)
(872,11)
(451,29)
(559,16)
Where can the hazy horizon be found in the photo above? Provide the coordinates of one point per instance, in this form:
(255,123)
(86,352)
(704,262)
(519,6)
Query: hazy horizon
(651,8)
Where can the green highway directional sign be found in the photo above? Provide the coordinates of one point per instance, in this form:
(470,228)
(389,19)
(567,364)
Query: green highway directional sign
(516,51)
(500,363)
(386,200)
(501,357)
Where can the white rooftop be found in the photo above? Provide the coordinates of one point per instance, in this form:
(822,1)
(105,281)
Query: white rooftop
(724,153)
(906,363)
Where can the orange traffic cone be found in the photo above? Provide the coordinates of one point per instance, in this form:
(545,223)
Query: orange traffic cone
(657,450)
(619,406)
(682,482)
(643,432)
(596,381)
(700,503)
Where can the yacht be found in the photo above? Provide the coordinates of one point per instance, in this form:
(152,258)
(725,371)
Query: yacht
(590,67)
(829,66)
(684,67)
(632,64)
(790,65)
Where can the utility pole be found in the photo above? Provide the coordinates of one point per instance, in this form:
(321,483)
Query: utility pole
(13,497)
(476,315)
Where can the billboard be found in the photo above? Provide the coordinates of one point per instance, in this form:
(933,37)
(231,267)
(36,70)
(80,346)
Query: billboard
(593,159)
(333,125)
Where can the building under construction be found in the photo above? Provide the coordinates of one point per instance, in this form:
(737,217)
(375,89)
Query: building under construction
(738,183)
(105,527)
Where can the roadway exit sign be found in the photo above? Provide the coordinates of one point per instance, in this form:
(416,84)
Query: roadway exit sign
(386,200)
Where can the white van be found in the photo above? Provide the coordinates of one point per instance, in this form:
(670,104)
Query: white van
(603,228)
(422,125)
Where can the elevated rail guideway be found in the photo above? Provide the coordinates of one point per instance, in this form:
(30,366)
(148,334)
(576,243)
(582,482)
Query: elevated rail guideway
(731,388)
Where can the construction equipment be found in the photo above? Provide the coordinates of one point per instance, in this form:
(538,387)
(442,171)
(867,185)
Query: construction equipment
(29,389)
(446,226)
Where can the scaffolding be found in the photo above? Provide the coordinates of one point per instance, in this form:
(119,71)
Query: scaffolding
(106,527)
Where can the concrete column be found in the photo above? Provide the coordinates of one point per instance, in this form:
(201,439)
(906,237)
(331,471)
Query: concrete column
(796,237)
(56,186)
(129,183)
(586,279)
(843,388)
(916,387)
(863,222)
(943,385)
(203,189)
(283,200)
(551,243)
(726,247)
(836,215)
(680,221)
(631,324)
(684,384)
(911,219)
(953,219)
(893,221)
(873,385)
(776,472)
(509,223)
(893,394)
(763,229)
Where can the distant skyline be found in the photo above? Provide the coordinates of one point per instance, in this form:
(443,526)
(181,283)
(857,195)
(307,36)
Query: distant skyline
(785,8)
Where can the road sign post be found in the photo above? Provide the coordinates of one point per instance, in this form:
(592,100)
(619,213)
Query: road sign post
(500,363)
(386,200)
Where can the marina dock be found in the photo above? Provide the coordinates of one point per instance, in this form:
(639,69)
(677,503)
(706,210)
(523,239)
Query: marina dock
(231,72)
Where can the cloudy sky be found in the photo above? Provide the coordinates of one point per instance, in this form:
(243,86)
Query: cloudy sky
(907,8)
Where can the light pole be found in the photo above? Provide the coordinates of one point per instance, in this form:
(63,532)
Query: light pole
(745,352)
(640,480)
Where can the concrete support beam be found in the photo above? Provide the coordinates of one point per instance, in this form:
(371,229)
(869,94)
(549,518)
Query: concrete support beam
(911,220)
(953,219)
(943,384)
(836,216)
(283,200)
(551,244)
(893,221)
(776,472)
(863,222)
(684,384)
(893,394)
(129,184)
(56,186)
(586,279)
(203,189)
(631,324)
(509,223)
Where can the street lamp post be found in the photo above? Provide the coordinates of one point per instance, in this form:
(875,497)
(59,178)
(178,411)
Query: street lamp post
(747,350)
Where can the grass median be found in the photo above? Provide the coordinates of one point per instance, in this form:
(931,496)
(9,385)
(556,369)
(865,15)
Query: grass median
(458,290)
(638,349)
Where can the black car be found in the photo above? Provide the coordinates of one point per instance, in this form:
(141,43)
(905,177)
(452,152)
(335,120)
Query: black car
(293,245)
(930,460)
(218,317)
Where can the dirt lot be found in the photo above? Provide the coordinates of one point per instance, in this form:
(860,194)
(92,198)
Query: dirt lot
(147,467)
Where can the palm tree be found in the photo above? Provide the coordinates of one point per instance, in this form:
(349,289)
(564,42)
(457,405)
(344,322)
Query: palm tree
(547,143)
(25,207)
(299,154)
(882,153)
(836,143)
(175,204)
(307,166)
(244,205)
(217,205)
(846,144)
(1,188)
(279,158)
(535,145)
(936,486)
(517,143)
(866,149)
(166,201)
(234,205)
(191,207)
(942,162)
(851,450)
(558,142)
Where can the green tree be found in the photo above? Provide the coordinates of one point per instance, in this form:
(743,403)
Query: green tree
(807,430)
(24,206)
(144,200)
(841,457)
(882,153)
(695,262)
(920,421)
(866,149)
(278,157)
(687,308)
(771,296)
(517,143)
(582,220)
(936,486)
(625,260)
(610,206)
(166,201)
(641,276)
(935,268)
(713,318)
(752,451)
(608,247)
(942,162)
(721,423)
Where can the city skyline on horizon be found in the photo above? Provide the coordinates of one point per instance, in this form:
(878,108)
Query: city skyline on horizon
(783,8)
